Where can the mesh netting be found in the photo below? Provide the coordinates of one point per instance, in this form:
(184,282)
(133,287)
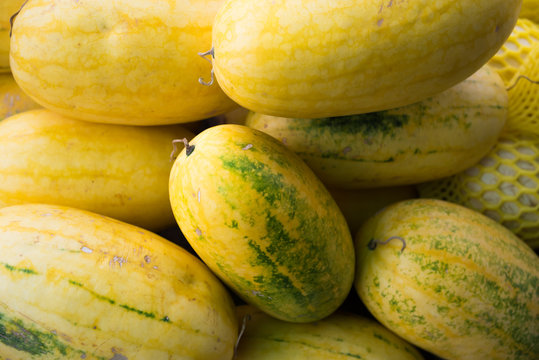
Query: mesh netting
(517,62)
(504,185)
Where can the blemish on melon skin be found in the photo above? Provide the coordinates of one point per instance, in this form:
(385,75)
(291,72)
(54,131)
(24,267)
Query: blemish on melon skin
(117,355)
(380,22)
(86,250)
(118,259)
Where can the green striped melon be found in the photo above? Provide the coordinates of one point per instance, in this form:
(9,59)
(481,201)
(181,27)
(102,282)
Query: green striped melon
(340,336)
(77,285)
(450,280)
(263,222)
(436,137)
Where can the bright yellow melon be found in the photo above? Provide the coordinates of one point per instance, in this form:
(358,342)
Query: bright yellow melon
(318,58)
(125,61)
(114,170)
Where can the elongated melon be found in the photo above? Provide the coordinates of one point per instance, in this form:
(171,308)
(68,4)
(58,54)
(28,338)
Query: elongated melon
(433,138)
(263,222)
(129,62)
(77,285)
(114,170)
(340,336)
(450,280)
(12,99)
(318,58)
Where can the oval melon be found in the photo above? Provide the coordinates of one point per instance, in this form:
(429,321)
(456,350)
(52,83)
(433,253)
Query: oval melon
(317,58)
(114,170)
(450,280)
(77,285)
(263,222)
(131,62)
(340,336)
(427,140)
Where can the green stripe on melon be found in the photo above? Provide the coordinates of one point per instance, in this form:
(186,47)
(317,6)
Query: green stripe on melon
(259,217)
(464,287)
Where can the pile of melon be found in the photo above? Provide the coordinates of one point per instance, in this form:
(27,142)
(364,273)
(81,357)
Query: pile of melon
(272,179)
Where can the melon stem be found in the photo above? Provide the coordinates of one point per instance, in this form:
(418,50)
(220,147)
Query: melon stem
(374,243)
(246,318)
(188,148)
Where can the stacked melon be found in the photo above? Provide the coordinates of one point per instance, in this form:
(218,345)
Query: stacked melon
(134,224)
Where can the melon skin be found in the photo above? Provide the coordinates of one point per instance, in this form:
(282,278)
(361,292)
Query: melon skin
(78,285)
(263,222)
(114,170)
(463,287)
(340,336)
(132,62)
(314,58)
(433,138)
